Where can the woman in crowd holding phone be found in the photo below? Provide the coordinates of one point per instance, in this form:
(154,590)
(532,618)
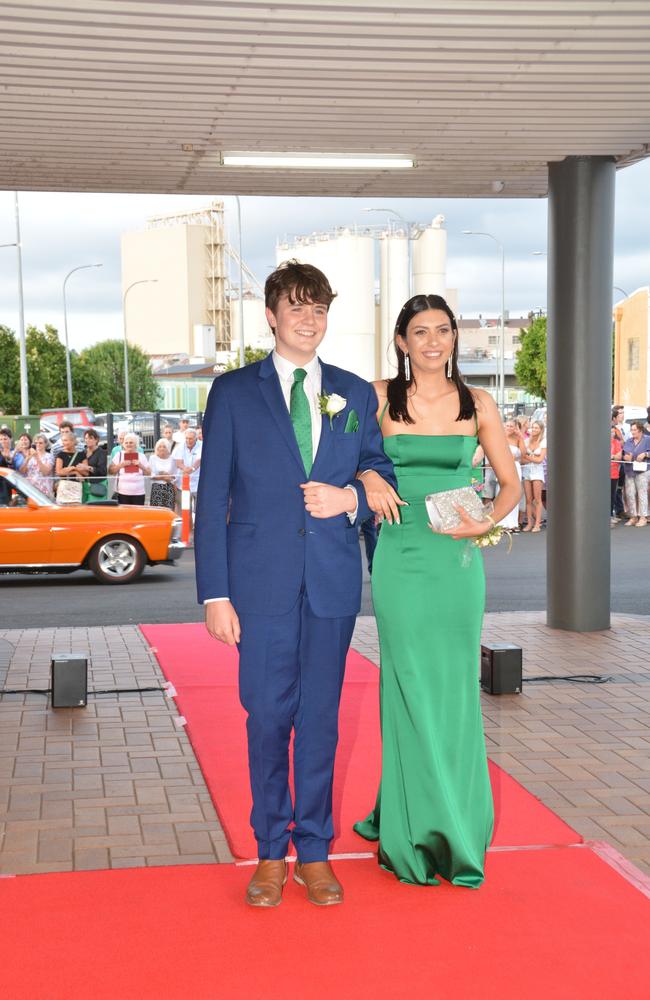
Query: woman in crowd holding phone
(39,464)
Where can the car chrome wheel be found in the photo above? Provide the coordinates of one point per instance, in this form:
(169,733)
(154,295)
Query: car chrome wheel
(117,558)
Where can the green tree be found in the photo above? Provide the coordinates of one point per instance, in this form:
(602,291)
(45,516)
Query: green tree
(10,381)
(530,361)
(45,368)
(98,378)
(251,354)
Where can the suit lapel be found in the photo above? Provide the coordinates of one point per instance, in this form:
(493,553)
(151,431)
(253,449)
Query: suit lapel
(272,391)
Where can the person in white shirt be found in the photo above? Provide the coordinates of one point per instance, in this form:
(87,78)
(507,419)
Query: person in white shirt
(179,435)
(130,471)
(188,462)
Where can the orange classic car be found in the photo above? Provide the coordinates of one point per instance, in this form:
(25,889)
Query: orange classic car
(38,535)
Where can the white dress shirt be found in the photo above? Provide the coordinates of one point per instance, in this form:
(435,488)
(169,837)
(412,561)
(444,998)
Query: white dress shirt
(313,386)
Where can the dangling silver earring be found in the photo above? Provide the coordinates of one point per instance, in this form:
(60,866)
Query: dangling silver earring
(449,367)
(407,368)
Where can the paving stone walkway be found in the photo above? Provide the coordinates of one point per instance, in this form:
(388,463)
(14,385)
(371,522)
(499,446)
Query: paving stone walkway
(117,785)
(114,785)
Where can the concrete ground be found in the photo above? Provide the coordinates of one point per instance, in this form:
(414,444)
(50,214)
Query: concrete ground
(516,581)
(116,784)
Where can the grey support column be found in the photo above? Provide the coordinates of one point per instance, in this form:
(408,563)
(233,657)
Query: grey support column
(580,278)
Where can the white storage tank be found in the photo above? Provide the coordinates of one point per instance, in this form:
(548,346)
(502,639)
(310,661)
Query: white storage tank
(430,260)
(347,259)
(393,293)
(257,332)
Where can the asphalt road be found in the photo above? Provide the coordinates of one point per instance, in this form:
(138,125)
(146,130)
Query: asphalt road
(516,581)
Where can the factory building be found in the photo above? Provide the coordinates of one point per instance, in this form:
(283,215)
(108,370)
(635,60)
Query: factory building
(179,299)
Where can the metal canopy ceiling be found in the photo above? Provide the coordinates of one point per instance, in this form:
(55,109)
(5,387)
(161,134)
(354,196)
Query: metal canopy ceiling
(97,95)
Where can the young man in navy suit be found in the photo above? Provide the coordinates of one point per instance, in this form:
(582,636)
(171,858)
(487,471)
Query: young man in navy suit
(278,566)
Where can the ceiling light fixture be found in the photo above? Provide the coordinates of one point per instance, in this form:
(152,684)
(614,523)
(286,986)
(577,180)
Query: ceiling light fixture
(319,161)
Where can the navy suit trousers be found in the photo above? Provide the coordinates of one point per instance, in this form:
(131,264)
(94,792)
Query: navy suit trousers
(291,671)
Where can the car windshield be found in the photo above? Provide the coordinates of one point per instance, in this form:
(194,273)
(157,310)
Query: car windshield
(27,489)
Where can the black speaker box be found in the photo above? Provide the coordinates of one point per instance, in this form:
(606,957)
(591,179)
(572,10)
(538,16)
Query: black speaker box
(69,681)
(501,668)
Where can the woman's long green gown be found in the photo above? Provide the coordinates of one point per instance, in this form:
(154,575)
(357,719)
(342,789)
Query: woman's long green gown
(434,813)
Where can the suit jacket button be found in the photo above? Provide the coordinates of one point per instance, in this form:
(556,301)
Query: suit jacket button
(301,531)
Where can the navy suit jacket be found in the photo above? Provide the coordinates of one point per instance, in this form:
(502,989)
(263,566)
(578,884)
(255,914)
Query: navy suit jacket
(254,541)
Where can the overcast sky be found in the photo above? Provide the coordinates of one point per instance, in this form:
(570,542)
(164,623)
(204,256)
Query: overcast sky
(62,231)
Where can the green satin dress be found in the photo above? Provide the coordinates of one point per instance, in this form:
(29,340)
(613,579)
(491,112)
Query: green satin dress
(434,814)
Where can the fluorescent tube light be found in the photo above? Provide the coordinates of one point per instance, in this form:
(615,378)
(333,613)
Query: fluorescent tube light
(320,161)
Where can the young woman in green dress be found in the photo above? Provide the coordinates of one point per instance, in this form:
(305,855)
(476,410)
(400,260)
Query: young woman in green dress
(433,814)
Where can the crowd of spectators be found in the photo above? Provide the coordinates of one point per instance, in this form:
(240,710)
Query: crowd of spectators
(629,469)
(527,443)
(76,472)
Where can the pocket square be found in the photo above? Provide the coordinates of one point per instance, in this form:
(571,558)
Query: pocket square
(352,423)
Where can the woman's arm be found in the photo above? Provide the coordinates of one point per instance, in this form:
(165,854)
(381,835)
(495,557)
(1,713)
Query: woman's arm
(495,445)
(537,459)
(381,497)
(115,465)
(67,470)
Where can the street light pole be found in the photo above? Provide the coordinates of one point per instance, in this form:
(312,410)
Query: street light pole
(127,390)
(501,390)
(68,371)
(24,385)
(242,344)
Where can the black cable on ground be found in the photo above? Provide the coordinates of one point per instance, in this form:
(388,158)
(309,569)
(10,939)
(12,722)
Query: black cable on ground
(575,679)
(96,691)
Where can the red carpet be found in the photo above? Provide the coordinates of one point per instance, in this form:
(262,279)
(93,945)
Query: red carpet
(204,674)
(549,923)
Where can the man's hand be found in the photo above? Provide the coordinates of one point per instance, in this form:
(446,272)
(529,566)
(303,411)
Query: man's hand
(322,500)
(222,622)
(382,498)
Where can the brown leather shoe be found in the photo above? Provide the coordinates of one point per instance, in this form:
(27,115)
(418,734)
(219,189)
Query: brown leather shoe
(265,887)
(321,883)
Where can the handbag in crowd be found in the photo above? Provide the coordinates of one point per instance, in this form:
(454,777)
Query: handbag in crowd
(69,491)
(441,507)
(163,495)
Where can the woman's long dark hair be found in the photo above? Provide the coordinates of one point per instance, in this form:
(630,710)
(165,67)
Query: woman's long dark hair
(398,386)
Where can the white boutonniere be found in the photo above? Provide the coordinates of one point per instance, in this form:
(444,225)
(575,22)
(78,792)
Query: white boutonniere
(331,405)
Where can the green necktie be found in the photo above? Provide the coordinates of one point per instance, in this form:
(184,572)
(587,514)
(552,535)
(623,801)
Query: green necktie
(301,418)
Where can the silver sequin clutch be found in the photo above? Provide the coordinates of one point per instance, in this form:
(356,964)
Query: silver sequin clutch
(441,507)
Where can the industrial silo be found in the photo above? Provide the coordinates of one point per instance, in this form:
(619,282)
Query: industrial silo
(347,258)
(393,292)
(430,259)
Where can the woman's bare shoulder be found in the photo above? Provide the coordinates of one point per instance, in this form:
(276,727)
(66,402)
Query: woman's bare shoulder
(483,399)
(381,388)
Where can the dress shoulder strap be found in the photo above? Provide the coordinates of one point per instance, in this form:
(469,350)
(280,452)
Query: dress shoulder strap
(475,421)
(383,410)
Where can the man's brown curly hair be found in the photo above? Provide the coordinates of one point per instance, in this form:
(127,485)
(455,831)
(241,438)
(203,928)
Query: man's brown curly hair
(299,282)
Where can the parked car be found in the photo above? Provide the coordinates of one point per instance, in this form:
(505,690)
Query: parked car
(38,535)
(79,416)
